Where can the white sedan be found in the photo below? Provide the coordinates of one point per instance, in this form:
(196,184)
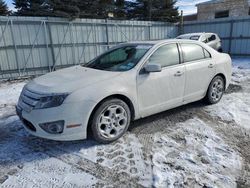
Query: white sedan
(130,81)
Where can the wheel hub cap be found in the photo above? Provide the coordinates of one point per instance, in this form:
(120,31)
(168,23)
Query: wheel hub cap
(112,121)
(217,90)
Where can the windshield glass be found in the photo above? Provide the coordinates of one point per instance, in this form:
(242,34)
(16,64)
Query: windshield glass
(119,59)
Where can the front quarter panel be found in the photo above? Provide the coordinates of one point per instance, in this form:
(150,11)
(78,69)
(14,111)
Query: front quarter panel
(119,85)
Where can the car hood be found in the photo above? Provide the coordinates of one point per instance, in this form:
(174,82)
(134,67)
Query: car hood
(69,79)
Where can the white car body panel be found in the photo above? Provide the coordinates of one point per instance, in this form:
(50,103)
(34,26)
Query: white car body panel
(198,76)
(148,93)
(158,92)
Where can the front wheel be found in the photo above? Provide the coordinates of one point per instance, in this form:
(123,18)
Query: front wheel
(215,90)
(110,120)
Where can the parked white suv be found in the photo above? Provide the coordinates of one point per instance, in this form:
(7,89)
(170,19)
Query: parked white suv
(130,81)
(211,39)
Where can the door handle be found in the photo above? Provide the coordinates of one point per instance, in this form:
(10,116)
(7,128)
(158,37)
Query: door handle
(178,73)
(210,66)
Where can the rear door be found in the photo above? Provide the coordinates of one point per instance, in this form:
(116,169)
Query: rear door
(199,71)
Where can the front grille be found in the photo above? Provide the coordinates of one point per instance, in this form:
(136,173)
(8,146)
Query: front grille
(28,100)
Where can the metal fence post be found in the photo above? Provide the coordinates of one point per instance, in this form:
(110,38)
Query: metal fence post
(15,46)
(231,36)
(149,31)
(47,45)
(181,24)
(73,43)
(107,32)
(51,47)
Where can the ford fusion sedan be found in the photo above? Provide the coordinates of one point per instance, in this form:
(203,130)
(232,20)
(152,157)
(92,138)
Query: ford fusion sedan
(128,82)
(211,39)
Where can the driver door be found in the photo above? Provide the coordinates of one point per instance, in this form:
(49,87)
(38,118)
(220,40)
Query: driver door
(159,91)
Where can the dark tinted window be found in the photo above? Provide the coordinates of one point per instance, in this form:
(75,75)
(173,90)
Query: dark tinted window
(193,52)
(166,55)
(212,38)
(222,14)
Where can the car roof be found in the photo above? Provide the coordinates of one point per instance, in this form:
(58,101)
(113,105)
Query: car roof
(195,34)
(155,42)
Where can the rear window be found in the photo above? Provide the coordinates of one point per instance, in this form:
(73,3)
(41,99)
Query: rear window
(194,52)
(195,37)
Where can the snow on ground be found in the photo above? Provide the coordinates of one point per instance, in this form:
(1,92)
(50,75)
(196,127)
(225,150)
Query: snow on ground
(182,154)
(194,156)
(49,172)
(9,93)
(241,70)
(234,107)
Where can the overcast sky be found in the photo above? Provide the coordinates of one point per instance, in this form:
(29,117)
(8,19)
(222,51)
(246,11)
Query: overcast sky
(188,6)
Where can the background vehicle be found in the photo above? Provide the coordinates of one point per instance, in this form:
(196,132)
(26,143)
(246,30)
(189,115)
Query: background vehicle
(130,81)
(211,39)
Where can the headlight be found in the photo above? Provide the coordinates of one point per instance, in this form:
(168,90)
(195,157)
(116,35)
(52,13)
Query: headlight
(51,101)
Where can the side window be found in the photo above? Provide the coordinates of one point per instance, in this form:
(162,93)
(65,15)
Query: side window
(207,54)
(166,56)
(204,38)
(212,38)
(193,52)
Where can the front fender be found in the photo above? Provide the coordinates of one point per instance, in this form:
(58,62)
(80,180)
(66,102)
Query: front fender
(97,92)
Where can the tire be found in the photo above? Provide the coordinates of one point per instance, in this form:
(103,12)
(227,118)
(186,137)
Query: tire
(110,121)
(215,90)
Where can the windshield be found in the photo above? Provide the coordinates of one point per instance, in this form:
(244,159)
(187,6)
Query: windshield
(119,59)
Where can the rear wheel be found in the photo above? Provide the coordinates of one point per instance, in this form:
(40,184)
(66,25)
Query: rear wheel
(215,90)
(110,120)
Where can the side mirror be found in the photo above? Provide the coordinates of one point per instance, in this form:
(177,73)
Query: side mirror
(152,68)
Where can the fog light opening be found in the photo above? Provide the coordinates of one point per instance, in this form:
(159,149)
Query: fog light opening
(53,127)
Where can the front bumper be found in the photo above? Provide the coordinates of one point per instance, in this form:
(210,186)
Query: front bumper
(75,116)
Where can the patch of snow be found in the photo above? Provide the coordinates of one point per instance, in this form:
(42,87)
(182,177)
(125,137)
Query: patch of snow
(241,69)
(241,63)
(9,93)
(126,156)
(49,172)
(233,107)
(192,155)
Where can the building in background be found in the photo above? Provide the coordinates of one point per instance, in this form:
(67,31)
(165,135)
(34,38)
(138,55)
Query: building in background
(190,17)
(222,9)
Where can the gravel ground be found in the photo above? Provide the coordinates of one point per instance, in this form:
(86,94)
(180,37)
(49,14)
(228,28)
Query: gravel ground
(191,146)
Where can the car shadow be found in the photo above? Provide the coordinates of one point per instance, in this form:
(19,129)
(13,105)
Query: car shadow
(158,122)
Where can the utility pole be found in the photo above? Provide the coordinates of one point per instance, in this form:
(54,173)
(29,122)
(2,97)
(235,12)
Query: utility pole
(150,9)
(181,23)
